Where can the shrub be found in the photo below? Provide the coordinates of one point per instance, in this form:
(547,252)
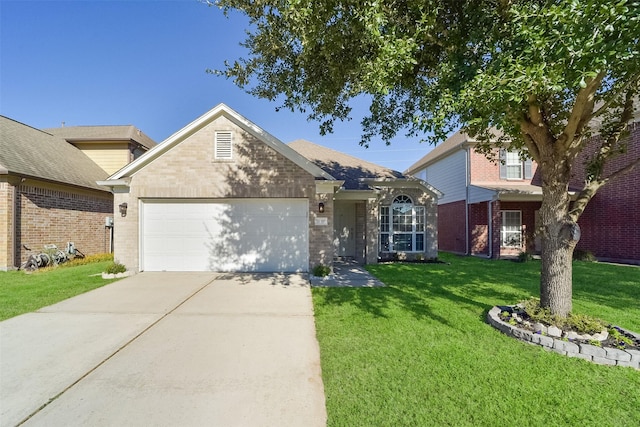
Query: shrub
(321,270)
(90,259)
(524,256)
(580,323)
(115,268)
(582,255)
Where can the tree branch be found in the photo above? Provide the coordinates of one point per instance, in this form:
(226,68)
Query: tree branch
(591,188)
(607,104)
(580,115)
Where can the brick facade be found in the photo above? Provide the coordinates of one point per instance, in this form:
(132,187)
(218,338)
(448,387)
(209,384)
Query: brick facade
(7,258)
(189,170)
(46,213)
(610,224)
(451,227)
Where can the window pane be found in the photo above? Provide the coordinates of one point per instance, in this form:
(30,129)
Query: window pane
(514,171)
(514,165)
(419,210)
(511,231)
(384,242)
(384,218)
(402,242)
(420,242)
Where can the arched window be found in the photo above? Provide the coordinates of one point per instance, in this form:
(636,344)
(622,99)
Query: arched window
(402,226)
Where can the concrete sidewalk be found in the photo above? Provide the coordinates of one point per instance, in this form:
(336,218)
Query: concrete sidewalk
(346,274)
(167,349)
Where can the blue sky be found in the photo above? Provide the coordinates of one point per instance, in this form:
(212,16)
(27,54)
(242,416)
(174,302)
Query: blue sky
(143,63)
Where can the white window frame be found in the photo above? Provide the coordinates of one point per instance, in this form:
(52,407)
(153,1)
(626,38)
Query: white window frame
(223,147)
(514,162)
(392,225)
(510,238)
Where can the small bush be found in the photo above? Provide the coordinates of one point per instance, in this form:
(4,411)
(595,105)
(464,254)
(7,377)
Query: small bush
(321,270)
(582,255)
(524,256)
(115,268)
(90,259)
(579,323)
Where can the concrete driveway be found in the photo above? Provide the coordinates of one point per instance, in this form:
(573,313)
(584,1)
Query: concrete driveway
(167,349)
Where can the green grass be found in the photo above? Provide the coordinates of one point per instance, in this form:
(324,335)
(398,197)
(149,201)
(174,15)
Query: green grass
(22,293)
(419,352)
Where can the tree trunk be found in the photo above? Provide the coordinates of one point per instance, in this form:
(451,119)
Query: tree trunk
(560,236)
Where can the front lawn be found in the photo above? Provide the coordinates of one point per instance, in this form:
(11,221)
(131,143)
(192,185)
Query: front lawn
(22,293)
(419,352)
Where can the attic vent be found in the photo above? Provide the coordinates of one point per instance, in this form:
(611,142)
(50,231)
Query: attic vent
(223,145)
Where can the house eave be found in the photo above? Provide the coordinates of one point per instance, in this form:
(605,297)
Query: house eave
(240,121)
(410,182)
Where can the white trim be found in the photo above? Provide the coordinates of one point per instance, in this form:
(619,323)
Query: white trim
(502,226)
(200,122)
(409,182)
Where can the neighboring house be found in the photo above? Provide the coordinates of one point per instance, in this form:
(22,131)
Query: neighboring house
(111,147)
(48,190)
(610,225)
(491,208)
(222,194)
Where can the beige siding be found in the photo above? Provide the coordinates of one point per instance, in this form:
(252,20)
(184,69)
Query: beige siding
(449,176)
(108,155)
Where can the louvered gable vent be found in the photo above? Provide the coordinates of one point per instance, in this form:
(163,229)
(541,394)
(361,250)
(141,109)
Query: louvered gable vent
(223,145)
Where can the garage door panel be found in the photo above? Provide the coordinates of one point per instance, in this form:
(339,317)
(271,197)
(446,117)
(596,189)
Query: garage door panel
(235,235)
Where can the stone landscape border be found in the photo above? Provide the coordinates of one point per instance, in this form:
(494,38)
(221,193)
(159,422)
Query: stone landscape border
(592,353)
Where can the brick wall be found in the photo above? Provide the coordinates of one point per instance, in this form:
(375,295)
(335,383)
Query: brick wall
(6,226)
(486,171)
(451,227)
(50,214)
(610,224)
(479,228)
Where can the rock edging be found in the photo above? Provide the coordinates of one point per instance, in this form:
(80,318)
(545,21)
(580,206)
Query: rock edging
(600,355)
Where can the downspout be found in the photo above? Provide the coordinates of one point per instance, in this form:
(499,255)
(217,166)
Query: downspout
(466,201)
(490,223)
(14,222)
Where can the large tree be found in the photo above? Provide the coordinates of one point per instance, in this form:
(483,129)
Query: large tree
(538,76)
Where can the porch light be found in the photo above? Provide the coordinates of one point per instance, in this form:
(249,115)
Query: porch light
(321,207)
(123,209)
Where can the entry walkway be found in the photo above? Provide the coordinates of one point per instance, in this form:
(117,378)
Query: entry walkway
(346,274)
(167,349)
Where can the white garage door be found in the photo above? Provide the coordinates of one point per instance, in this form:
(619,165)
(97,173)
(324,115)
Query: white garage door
(231,235)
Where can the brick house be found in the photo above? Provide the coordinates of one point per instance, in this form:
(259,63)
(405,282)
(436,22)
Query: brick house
(222,194)
(491,208)
(610,225)
(48,190)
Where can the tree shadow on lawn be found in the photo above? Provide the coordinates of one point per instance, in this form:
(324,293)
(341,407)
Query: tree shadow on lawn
(613,286)
(420,290)
(477,285)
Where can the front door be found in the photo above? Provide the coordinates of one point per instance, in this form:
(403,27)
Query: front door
(345,229)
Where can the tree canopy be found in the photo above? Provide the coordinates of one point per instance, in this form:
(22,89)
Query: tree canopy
(537,75)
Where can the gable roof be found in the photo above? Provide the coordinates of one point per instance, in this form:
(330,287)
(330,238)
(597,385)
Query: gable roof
(202,121)
(455,141)
(33,153)
(103,133)
(344,167)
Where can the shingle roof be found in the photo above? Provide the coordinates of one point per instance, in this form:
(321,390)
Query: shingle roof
(450,144)
(343,166)
(34,153)
(103,133)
